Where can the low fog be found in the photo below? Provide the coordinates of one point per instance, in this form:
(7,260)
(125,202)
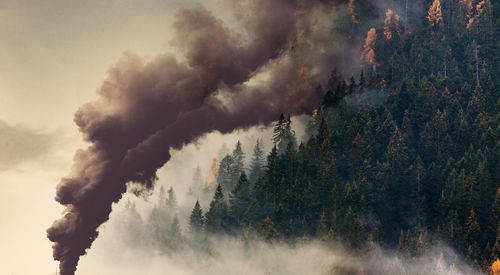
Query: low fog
(127,244)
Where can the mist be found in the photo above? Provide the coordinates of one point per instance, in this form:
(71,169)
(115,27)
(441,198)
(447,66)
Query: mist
(233,70)
(220,79)
(127,245)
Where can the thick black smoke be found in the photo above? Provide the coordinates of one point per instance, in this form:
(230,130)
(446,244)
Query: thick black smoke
(227,79)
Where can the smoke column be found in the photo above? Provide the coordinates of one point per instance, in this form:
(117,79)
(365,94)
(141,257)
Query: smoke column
(225,79)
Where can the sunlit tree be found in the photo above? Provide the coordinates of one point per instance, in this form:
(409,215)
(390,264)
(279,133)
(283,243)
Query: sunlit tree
(434,14)
(369,49)
(495,267)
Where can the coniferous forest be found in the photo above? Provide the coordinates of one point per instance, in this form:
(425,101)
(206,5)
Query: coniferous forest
(405,154)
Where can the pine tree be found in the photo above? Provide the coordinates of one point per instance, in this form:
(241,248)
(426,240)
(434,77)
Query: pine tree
(435,139)
(174,238)
(278,131)
(196,221)
(133,222)
(238,165)
(323,226)
(472,229)
(216,217)
(239,200)
(391,25)
(257,164)
(434,14)
(171,201)
(323,132)
(267,230)
(397,151)
(162,198)
(283,134)
(197,185)
(225,173)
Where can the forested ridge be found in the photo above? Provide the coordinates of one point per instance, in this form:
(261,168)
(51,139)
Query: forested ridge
(405,154)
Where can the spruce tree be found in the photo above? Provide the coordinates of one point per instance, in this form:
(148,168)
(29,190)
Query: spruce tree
(283,134)
(239,200)
(279,132)
(238,165)
(225,173)
(174,234)
(257,163)
(197,185)
(267,230)
(171,201)
(196,221)
(216,216)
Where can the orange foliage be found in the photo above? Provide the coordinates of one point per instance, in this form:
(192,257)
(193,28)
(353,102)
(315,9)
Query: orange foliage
(434,14)
(391,19)
(495,267)
(368,51)
(303,79)
(352,11)
(479,11)
(212,174)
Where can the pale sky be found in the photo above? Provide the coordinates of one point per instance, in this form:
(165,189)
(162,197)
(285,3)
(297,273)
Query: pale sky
(53,56)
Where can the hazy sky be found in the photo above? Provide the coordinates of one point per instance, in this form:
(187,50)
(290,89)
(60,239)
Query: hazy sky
(54,54)
(53,57)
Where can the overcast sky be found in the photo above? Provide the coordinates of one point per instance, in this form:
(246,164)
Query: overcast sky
(53,56)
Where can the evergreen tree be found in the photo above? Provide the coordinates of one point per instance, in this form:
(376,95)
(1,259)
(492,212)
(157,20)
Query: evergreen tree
(171,201)
(239,200)
(283,134)
(397,151)
(225,173)
(197,186)
(175,234)
(267,230)
(238,165)
(257,163)
(412,164)
(434,14)
(196,221)
(217,217)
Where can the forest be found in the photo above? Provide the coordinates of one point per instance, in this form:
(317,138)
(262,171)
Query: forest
(405,154)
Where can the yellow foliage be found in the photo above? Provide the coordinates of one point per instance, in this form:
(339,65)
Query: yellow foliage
(212,174)
(368,51)
(495,267)
(479,12)
(434,14)
(391,20)
(352,11)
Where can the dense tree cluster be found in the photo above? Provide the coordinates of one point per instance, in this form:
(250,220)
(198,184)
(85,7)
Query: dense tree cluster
(422,167)
(407,154)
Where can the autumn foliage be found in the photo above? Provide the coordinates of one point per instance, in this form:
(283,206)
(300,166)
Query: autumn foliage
(495,267)
(369,48)
(434,14)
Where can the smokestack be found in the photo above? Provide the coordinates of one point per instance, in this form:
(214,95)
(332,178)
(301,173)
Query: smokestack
(228,80)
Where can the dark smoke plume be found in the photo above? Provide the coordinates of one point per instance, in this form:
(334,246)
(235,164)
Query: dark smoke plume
(227,79)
